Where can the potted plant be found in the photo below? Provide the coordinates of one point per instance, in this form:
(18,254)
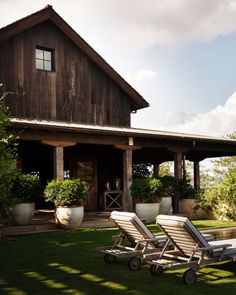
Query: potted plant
(26,188)
(169,186)
(68,196)
(189,203)
(146,192)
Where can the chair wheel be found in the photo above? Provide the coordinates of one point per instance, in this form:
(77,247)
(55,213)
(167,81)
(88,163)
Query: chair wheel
(134,264)
(156,270)
(189,277)
(108,258)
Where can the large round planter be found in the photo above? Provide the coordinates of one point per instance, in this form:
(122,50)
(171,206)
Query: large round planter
(147,211)
(166,205)
(188,207)
(69,217)
(23,213)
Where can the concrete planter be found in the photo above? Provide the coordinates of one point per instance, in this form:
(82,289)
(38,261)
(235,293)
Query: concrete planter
(166,205)
(23,213)
(147,211)
(69,217)
(186,206)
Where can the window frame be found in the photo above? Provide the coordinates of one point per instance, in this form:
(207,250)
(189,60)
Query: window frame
(44,59)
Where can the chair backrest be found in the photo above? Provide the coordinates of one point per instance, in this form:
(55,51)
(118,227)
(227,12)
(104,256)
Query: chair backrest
(183,234)
(132,227)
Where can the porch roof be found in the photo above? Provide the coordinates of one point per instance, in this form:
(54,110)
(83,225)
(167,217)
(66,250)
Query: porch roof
(151,142)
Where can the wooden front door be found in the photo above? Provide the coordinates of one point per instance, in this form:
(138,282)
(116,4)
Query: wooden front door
(87,170)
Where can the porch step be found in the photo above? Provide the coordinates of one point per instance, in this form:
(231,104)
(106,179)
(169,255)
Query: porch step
(97,215)
(97,219)
(43,220)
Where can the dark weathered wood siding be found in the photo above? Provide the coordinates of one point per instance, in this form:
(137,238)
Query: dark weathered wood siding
(77,91)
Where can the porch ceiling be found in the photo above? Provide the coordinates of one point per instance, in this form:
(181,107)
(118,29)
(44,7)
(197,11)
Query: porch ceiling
(155,146)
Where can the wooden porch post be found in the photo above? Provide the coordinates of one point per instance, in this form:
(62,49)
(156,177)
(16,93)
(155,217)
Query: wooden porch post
(196,174)
(156,170)
(184,167)
(127,179)
(59,162)
(58,156)
(178,171)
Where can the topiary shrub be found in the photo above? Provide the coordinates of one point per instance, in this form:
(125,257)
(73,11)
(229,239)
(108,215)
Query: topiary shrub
(146,190)
(186,189)
(68,192)
(26,187)
(169,185)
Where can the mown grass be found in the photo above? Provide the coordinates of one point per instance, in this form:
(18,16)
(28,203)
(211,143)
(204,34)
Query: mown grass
(66,262)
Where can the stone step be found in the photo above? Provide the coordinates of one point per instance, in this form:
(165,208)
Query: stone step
(24,229)
(43,220)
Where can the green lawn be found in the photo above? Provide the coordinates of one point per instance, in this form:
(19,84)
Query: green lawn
(65,262)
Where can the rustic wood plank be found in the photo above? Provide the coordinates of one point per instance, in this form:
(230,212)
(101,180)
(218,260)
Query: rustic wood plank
(75,91)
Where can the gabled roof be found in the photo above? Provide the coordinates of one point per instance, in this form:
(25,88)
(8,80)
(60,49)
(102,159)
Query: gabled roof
(48,13)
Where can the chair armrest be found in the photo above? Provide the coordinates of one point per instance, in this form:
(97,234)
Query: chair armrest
(148,240)
(212,247)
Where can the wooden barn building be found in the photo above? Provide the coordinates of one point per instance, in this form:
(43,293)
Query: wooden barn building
(72,111)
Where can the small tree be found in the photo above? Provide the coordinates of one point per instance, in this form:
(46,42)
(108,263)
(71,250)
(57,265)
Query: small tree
(165,169)
(224,164)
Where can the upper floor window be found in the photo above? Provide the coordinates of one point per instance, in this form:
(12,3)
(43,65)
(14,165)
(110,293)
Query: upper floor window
(44,59)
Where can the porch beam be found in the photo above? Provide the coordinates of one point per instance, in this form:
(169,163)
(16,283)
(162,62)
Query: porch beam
(58,143)
(127,179)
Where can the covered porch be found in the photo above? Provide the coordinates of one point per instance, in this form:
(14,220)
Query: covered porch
(104,155)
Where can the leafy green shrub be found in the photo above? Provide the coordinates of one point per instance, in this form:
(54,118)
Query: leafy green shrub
(7,159)
(222,199)
(6,201)
(68,192)
(146,190)
(186,190)
(26,187)
(169,185)
(226,198)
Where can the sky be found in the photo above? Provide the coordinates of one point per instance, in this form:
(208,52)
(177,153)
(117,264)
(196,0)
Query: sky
(180,55)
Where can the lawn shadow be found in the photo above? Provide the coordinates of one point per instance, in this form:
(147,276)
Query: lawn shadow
(67,263)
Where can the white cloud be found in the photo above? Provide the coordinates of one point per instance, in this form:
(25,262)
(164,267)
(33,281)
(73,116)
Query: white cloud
(141,24)
(137,23)
(220,121)
(140,78)
(140,75)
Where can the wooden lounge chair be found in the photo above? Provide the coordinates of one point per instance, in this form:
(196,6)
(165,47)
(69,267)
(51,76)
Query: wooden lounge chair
(191,251)
(134,241)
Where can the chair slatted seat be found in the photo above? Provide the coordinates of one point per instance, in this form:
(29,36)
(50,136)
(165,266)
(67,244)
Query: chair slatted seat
(193,250)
